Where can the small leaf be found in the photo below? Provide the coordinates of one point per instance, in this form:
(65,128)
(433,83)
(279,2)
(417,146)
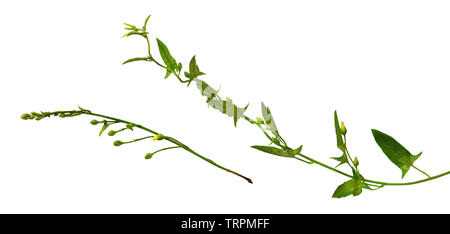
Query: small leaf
(341,160)
(84,110)
(144,28)
(105,126)
(347,188)
(275,151)
(179,67)
(194,71)
(398,155)
(340,141)
(135,59)
(267,115)
(166,56)
(168,72)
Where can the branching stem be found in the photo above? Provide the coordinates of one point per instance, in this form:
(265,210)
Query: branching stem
(170,139)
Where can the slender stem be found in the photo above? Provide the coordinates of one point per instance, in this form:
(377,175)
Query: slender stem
(148,45)
(139,139)
(421,171)
(303,160)
(170,139)
(347,154)
(172,147)
(374,181)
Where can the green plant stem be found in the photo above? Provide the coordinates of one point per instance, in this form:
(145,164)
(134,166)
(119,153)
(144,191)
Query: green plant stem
(167,148)
(421,171)
(373,181)
(347,154)
(135,140)
(170,139)
(284,145)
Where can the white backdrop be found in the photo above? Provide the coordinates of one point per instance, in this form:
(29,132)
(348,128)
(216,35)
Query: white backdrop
(380,64)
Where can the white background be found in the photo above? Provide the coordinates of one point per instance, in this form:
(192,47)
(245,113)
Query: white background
(381,64)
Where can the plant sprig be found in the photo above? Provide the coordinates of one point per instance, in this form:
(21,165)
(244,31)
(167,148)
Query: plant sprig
(108,121)
(395,152)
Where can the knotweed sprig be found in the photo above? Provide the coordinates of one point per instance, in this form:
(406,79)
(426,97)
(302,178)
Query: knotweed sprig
(107,121)
(395,152)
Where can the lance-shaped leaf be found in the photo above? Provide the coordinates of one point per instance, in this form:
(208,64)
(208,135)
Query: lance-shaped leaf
(104,127)
(167,58)
(135,59)
(268,118)
(341,160)
(194,71)
(340,141)
(398,155)
(349,187)
(144,28)
(276,151)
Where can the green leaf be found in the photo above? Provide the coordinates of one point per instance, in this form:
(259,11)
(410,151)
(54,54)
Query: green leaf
(135,59)
(340,141)
(267,115)
(84,110)
(398,155)
(341,160)
(194,71)
(166,56)
(179,67)
(167,74)
(347,188)
(105,126)
(276,151)
(144,28)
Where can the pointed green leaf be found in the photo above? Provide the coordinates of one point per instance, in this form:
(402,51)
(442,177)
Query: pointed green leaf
(144,28)
(398,155)
(347,188)
(267,115)
(131,33)
(179,67)
(275,151)
(105,126)
(341,160)
(166,56)
(135,59)
(340,141)
(194,71)
(167,74)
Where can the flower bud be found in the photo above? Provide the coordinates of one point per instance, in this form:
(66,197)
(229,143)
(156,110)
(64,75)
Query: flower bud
(94,122)
(149,155)
(355,162)
(25,116)
(112,133)
(158,137)
(343,128)
(117,143)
